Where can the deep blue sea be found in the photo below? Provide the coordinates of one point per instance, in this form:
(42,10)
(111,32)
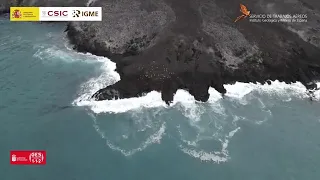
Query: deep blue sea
(257,132)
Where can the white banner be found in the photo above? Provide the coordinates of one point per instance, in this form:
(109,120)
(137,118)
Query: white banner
(70,14)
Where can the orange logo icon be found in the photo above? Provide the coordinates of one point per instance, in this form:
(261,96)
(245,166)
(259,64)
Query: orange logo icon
(244,11)
(16,14)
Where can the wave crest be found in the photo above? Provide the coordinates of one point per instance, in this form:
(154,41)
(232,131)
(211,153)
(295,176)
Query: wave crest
(190,123)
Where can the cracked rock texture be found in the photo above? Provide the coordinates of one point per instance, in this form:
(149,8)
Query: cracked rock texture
(165,45)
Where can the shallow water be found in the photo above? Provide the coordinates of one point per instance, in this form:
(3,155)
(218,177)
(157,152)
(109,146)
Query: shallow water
(256,132)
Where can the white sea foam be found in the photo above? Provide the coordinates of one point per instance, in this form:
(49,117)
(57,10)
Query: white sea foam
(217,157)
(153,138)
(190,108)
(183,101)
(204,156)
(153,99)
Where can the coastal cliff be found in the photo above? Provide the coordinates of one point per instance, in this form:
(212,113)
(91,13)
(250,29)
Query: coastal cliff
(166,45)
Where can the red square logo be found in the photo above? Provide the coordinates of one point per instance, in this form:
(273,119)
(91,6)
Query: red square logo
(30,157)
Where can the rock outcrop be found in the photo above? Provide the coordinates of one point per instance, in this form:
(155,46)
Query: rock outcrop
(166,45)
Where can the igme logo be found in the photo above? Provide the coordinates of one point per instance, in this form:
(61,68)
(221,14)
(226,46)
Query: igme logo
(79,13)
(86,14)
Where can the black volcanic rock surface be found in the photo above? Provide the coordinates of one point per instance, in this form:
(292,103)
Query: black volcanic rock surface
(166,45)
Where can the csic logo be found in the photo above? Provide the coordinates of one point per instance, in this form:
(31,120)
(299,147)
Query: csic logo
(78,13)
(16,14)
(55,13)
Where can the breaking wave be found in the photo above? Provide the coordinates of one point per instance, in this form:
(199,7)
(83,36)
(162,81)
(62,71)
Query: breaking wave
(193,123)
(138,123)
(235,92)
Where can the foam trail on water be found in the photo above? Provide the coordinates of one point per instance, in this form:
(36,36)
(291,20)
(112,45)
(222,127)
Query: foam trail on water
(217,157)
(153,138)
(187,105)
(210,121)
(204,156)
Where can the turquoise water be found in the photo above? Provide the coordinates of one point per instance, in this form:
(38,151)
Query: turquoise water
(255,133)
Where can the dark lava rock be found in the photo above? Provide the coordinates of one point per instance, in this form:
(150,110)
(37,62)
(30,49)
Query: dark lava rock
(128,27)
(166,45)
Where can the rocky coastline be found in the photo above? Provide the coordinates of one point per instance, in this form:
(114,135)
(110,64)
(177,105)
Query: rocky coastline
(166,45)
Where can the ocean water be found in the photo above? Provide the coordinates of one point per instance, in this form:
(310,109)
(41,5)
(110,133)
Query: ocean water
(257,132)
